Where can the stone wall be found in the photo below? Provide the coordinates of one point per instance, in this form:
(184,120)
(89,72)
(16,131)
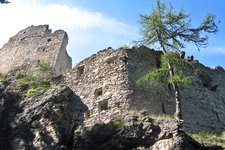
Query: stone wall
(102,83)
(155,98)
(106,82)
(203,102)
(36,43)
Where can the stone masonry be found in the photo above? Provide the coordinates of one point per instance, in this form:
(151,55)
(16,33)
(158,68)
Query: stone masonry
(106,82)
(101,81)
(36,43)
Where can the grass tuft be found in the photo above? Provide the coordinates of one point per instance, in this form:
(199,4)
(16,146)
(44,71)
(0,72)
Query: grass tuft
(209,139)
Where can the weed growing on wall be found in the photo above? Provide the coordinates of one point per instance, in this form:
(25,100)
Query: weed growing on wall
(2,77)
(22,83)
(38,79)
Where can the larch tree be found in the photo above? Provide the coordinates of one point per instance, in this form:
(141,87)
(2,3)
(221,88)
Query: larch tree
(171,31)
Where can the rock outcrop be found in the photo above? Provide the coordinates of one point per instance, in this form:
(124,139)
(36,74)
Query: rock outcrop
(45,119)
(33,44)
(135,132)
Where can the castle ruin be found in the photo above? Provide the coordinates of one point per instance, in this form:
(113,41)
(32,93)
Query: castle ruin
(33,44)
(106,82)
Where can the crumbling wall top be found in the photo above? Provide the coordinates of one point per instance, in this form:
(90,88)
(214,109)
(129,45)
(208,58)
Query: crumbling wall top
(36,43)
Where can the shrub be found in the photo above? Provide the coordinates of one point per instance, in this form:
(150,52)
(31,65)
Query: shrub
(125,47)
(40,78)
(30,91)
(61,84)
(37,80)
(20,75)
(21,83)
(45,68)
(2,77)
(118,123)
(45,82)
(30,76)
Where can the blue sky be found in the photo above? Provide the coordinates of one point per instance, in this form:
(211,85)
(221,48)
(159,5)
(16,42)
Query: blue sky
(93,25)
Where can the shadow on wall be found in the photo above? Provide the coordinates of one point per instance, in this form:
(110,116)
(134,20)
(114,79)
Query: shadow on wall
(147,96)
(202,100)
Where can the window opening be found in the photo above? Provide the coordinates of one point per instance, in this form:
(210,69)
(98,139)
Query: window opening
(103,105)
(80,71)
(98,92)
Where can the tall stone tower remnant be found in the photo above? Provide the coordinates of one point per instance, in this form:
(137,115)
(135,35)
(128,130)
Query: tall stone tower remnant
(36,43)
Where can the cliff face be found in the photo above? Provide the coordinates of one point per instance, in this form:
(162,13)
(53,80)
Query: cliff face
(106,82)
(45,119)
(36,43)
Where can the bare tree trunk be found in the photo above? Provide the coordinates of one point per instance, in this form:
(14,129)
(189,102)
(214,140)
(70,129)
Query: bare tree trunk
(178,112)
(176,94)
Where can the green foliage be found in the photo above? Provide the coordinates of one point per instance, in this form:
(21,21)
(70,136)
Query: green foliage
(2,77)
(125,47)
(30,76)
(61,84)
(174,115)
(36,80)
(132,112)
(45,82)
(44,66)
(152,76)
(118,123)
(45,69)
(209,139)
(180,79)
(160,116)
(21,83)
(172,30)
(30,91)
(162,74)
(41,77)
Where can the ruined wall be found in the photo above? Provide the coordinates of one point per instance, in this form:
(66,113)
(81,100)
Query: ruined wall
(102,83)
(63,62)
(36,43)
(155,97)
(106,83)
(203,101)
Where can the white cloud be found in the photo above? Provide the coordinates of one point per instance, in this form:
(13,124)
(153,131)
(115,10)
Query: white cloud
(218,50)
(88,31)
